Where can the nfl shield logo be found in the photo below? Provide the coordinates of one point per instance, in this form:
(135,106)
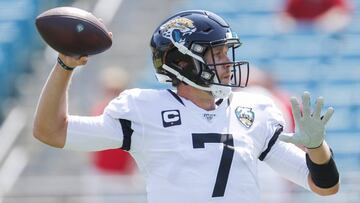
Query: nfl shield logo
(245,115)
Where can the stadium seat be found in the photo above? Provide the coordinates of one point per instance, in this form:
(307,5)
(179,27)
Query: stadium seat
(17,9)
(350,46)
(342,113)
(342,69)
(255,48)
(340,92)
(296,69)
(354,26)
(252,25)
(303,46)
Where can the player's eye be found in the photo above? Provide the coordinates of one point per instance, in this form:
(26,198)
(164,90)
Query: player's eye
(217,53)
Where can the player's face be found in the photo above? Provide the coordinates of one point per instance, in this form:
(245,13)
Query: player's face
(219,55)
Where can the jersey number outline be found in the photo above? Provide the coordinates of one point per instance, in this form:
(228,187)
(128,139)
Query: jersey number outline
(199,140)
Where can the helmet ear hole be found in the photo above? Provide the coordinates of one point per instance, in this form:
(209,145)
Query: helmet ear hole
(181,61)
(182,64)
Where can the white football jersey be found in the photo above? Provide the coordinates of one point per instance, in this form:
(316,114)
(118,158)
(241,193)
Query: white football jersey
(188,154)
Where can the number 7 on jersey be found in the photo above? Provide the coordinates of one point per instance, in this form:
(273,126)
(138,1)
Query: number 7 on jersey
(199,140)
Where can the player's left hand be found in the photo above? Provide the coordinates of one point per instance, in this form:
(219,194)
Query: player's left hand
(309,128)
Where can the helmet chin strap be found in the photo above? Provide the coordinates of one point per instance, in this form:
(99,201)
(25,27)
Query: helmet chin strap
(218,91)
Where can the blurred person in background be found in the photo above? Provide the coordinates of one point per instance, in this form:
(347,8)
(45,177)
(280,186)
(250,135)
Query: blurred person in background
(323,15)
(109,167)
(202,142)
(113,81)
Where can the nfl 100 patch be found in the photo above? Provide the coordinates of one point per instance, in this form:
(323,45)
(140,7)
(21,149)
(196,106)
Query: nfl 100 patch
(245,115)
(209,116)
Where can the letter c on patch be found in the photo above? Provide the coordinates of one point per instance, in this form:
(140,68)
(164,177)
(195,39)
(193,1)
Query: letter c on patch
(171,118)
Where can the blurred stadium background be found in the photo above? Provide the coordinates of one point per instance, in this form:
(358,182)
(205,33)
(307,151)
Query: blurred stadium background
(30,172)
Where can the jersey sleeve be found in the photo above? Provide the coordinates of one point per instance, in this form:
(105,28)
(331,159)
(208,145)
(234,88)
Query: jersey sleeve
(289,162)
(93,133)
(123,106)
(286,159)
(273,123)
(111,130)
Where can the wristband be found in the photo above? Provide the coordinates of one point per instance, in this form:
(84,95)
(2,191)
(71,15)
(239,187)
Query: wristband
(64,66)
(323,175)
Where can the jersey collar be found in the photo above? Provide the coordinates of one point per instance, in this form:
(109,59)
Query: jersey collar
(218,102)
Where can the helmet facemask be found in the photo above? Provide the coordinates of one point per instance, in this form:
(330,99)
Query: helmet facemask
(239,70)
(203,75)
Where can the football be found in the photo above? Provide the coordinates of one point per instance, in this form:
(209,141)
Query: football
(73,31)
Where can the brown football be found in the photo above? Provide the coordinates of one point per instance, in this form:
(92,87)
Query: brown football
(73,31)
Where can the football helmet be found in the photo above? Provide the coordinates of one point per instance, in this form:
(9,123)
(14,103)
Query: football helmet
(185,37)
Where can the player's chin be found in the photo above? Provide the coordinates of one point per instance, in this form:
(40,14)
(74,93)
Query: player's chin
(226,81)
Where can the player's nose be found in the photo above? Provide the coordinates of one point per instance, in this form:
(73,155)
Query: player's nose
(226,61)
(227,66)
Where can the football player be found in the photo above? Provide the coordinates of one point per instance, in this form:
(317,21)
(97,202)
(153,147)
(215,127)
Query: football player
(201,141)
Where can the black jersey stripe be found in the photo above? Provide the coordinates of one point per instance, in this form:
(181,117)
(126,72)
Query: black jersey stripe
(176,96)
(218,102)
(271,142)
(127,133)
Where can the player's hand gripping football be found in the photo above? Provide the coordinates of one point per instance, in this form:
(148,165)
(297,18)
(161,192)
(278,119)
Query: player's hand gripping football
(309,127)
(73,61)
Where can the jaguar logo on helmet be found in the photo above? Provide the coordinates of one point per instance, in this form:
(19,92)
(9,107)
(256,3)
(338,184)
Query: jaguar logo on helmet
(245,115)
(177,28)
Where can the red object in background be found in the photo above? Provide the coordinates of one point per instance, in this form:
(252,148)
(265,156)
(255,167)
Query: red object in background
(115,161)
(308,10)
